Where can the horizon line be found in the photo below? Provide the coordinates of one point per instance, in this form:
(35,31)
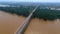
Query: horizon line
(31,2)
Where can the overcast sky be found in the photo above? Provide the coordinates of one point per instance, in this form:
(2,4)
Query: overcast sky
(29,0)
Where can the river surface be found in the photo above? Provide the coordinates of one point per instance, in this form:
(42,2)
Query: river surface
(39,26)
(9,23)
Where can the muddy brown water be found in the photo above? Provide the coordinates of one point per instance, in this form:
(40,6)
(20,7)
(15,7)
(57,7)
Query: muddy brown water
(39,26)
(10,22)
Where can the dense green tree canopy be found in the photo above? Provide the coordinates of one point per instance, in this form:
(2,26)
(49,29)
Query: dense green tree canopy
(45,14)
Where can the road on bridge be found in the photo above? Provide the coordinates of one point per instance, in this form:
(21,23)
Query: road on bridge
(26,23)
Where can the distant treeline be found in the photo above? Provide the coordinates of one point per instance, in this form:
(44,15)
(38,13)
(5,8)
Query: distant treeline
(22,10)
(45,14)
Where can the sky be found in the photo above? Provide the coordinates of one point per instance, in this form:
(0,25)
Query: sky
(29,0)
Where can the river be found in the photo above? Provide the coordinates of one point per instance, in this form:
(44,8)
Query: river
(9,24)
(39,26)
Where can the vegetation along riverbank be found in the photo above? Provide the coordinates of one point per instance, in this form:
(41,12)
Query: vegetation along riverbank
(45,14)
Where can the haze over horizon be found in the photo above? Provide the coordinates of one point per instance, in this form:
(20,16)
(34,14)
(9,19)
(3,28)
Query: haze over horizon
(30,1)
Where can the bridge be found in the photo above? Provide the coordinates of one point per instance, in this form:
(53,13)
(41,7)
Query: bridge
(26,23)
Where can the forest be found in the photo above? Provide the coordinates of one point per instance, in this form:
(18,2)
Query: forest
(45,14)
